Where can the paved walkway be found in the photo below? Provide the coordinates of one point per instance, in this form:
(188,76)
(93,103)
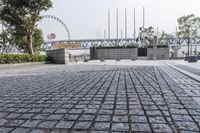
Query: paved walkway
(98,99)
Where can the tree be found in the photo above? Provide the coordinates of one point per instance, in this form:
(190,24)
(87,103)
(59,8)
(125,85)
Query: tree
(6,39)
(164,38)
(24,14)
(18,38)
(146,36)
(188,26)
(21,40)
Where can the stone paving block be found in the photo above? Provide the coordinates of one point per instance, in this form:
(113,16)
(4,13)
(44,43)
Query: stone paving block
(157,119)
(38,131)
(47,124)
(124,127)
(189,126)
(71,117)
(5,129)
(102,126)
(81,125)
(3,122)
(64,124)
(118,118)
(86,118)
(31,123)
(139,119)
(161,128)
(105,118)
(139,127)
(21,130)
(14,123)
(55,117)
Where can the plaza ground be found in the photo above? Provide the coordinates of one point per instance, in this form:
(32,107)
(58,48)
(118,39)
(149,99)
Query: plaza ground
(101,97)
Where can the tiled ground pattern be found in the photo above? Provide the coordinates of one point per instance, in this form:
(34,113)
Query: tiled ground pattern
(138,99)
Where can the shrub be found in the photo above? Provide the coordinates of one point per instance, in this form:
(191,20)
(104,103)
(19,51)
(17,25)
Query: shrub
(159,46)
(115,47)
(21,58)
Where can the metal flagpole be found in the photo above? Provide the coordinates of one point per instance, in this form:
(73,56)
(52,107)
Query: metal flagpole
(104,37)
(143,17)
(134,27)
(121,34)
(108,23)
(117,24)
(157,37)
(143,25)
(125,23)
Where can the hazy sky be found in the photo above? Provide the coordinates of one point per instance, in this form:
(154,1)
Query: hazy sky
(87,19)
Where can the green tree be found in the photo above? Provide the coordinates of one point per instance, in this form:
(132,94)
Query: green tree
(24,14)
(20,39)
(164,38)
(188,26)
(146,36)
(6,39)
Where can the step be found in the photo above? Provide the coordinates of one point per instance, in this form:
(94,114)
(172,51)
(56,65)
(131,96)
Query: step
(142,57)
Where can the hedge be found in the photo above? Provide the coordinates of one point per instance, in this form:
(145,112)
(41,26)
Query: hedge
(21,58)
(115,47)
(160,46)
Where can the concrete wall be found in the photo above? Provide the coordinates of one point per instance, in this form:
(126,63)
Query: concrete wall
(121,53)
(59,56)
(162,53)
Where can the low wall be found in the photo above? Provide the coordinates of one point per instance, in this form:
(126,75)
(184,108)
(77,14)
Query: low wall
(162,53)
(113,53)
(59,56)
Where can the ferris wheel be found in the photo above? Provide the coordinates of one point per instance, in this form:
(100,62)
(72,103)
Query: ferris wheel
(53,28)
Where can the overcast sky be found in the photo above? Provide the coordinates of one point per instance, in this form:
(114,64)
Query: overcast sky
(87,19)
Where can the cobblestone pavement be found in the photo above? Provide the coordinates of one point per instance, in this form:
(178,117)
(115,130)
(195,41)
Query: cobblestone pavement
(98,99)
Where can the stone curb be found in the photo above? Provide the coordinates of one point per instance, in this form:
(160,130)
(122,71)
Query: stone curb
(21,64)
(191,75)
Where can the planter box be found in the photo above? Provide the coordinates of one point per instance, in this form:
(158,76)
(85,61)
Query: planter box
(186,58)
(113,53)
(192,59)
(198,57)
(59,56)
(162,53)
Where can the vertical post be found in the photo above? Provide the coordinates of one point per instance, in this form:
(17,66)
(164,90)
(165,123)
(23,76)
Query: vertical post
(143,25)
(104,38)
(104,35)
(143,17)
(108,23)
(125,23)
(121,34)
(155,48)
(139,38)
(157,37)
(117,24)
(176,45)
(134,27)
